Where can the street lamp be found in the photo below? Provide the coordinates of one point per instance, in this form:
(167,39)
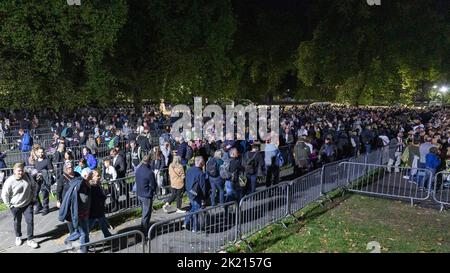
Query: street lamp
(443,89)
(435,86)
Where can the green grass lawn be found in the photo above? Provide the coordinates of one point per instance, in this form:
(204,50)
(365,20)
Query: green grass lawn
(353,223)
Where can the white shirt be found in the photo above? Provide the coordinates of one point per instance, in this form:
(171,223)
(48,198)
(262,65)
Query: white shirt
(111,171)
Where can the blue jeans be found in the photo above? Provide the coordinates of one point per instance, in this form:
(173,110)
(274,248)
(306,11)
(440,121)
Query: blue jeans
(217,184)
(83,228)
(251,183)
(422,178)
(103,223)
(368,148)
(234,191)
(191,221)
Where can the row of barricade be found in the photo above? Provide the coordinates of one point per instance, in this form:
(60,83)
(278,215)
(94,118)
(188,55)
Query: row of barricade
(215,228)
(100,150)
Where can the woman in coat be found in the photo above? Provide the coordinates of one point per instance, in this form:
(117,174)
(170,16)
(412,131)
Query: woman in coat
(177,176)
(97,208)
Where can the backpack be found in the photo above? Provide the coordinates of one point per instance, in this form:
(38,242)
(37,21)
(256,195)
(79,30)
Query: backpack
(279,160)
(250,164)
(211,168)
(224,170)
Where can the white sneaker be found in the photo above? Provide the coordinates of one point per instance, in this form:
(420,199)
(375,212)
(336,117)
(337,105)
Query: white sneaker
(165,208)
(406,177)
(180,211)
(32,244)
(18,241)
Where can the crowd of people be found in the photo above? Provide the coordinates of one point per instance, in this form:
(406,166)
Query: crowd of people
(211,172)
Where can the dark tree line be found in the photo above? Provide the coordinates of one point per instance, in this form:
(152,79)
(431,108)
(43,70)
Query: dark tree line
(108,51)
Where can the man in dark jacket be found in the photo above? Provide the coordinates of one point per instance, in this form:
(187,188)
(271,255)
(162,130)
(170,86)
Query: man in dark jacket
(97,210)
(301,155)
(196,191)
(119,163)
(367,136)
(328,151)
(145,189)
(287,141)
(144,142)
(234,190)
(182,150)
(44,181)
(253,163)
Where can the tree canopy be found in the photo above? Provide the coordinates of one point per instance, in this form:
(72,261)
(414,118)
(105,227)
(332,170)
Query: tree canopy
(107,51)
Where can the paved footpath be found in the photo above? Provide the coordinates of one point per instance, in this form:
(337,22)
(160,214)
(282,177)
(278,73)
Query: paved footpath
(50,233)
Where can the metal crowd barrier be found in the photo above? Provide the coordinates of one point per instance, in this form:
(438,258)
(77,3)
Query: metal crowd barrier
(330,176)
(261,208)
(394,182)
(357,173)
(206,230)
(4,174)
(304,190)
(120,195)
(441,192)
(128,242)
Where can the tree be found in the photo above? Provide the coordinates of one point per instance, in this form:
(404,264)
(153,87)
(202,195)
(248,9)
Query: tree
(51,54)
(265,45)
(364,53)
(192,41)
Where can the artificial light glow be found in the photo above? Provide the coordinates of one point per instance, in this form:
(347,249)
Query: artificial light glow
(443,89)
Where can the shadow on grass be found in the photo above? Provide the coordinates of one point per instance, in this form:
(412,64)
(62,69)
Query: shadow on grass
(294,225)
